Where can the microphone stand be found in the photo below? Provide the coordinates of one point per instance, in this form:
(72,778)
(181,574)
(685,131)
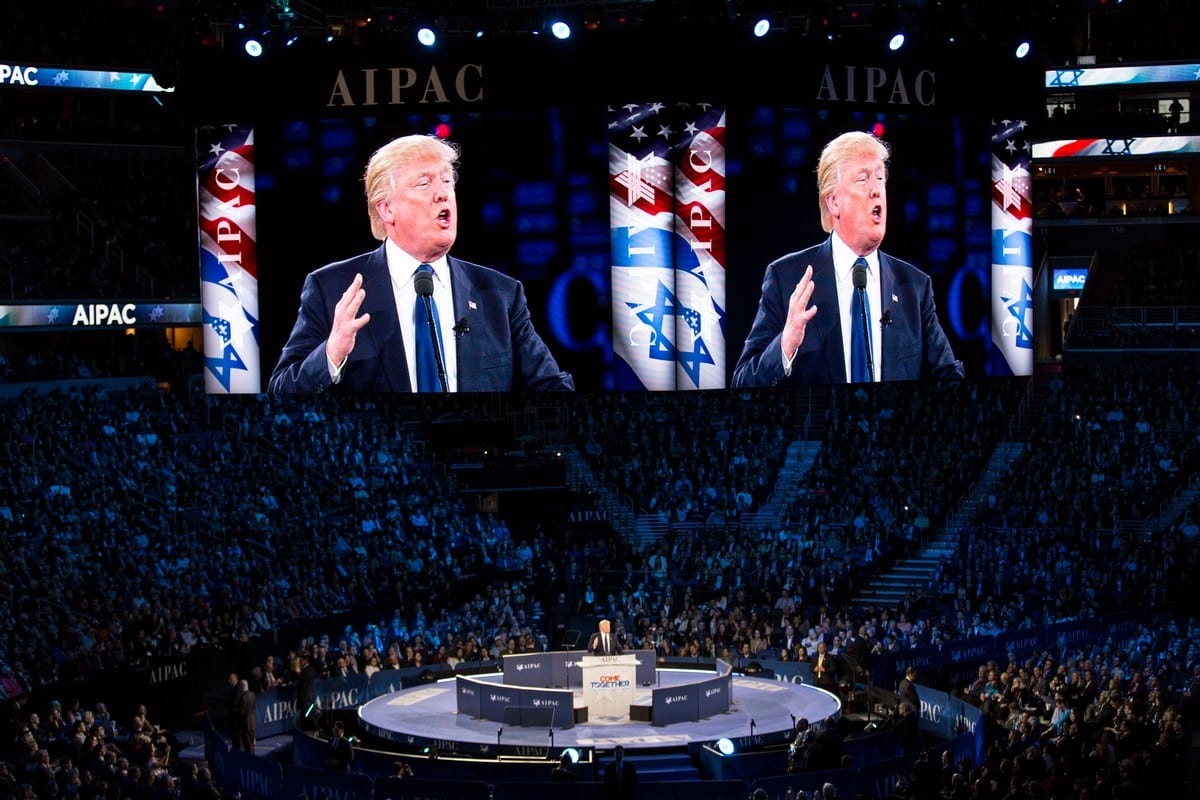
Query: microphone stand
(860,286)
(423,286)
(437,345)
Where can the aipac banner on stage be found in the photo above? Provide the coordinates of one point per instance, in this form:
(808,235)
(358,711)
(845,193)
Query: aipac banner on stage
(1012,250)
(228,259)
(667,221)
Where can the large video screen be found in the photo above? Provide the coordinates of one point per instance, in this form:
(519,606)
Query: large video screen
(638,210)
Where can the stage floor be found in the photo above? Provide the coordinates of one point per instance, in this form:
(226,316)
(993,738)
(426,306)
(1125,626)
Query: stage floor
(418,715)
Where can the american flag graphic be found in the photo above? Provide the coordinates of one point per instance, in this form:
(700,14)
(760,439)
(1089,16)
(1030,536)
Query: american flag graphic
(228,258)
(667,217)
(1012,249)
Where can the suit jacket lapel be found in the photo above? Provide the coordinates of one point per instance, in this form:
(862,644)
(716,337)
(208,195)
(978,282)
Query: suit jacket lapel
(888,339)
(829,325)
(466,348)
(384,327)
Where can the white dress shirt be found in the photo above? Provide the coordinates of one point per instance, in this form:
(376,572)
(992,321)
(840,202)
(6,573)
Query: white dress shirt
(402,267)
(843,267)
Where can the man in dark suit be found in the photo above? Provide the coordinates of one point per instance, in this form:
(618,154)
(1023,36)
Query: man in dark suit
(363,322)
(906,693)
(341,752)
(247,717)
(802,333)
(620,777)
(603,641)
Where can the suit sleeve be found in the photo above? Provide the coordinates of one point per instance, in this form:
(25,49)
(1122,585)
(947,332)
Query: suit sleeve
(937,358)
(534,367)
(303,366)
(761,362)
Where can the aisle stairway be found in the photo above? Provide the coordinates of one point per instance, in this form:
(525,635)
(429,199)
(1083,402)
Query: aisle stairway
(907,574)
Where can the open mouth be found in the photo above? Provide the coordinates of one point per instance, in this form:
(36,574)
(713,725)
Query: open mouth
(877,213)
(443,217)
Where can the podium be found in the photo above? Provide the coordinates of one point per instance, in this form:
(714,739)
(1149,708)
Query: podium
(609,684)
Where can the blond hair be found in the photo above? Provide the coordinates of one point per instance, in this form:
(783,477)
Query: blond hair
(395,155)
(845,147)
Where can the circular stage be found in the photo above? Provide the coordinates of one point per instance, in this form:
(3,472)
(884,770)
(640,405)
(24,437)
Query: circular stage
(427,716)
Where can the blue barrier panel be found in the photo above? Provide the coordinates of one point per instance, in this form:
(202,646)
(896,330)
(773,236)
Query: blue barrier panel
(864,748)
(675,704)
(274,711)
(1022,643)
(469,696)
(1062,637)
(790,671)
(880,779)
(547,708)
(977,648)
(323,782)
(494,700)
(894,664)
(934,719)
(1122,626)
(348,691)
(530,669)
(714,696)
(251,777)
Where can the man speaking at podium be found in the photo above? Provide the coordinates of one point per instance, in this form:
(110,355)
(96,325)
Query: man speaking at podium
(407,316)
(842,310)
(603,642)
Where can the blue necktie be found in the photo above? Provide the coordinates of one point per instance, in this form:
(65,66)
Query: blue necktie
(427,365)
(860,341)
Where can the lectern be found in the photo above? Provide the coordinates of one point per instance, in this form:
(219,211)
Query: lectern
(609,683)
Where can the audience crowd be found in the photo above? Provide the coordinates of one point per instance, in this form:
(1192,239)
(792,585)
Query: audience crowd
(284,513)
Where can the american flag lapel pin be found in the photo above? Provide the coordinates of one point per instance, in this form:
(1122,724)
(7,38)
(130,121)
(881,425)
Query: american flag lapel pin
(471,305)
(895,299)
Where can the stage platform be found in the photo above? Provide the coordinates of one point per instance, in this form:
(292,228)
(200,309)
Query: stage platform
(427,716)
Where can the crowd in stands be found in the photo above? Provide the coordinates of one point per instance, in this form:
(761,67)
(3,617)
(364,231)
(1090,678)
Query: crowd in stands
(1107,445)
(1111,719)
(283,512)
(117,224)
(1157,275)
(686,457)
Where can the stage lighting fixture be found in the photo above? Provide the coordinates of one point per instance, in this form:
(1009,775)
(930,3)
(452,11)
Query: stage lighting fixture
(570,753)
(560,29)
(896,42)
(762,27)
(1022,49)
(724,746)
(254,48)
(291,41)
(426,36)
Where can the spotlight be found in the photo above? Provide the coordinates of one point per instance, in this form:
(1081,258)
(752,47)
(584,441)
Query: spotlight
(291,41)
(254,48)
(560,29)
(724,746)
(896,42)
(571,753)
(762,27)
(1022,49)
(426,36)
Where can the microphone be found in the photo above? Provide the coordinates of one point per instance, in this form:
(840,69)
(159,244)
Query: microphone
(859,277)
(423,285)
(463,327)
(886,319)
